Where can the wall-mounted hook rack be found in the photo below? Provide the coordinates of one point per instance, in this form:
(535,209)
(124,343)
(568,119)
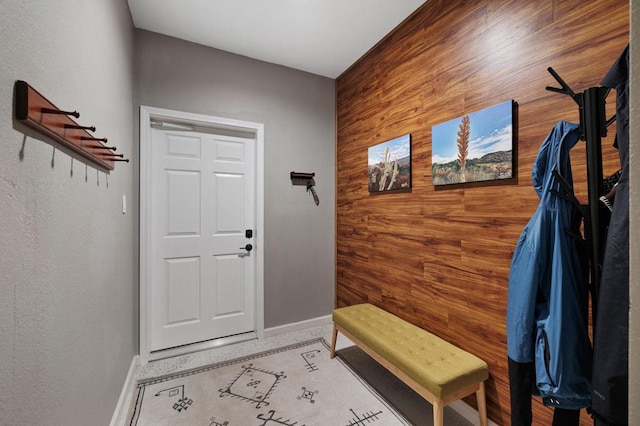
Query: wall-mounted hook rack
(307,180)
(301,178)
(37,112)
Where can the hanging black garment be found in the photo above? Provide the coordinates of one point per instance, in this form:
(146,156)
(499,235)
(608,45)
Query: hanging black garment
(611,337)
(521,383)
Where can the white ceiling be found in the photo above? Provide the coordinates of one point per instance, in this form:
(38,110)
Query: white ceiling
(323,37)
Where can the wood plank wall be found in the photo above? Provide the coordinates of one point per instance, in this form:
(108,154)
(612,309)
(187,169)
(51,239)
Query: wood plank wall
(441,258)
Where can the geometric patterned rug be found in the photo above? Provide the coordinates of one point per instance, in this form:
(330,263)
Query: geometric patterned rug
(297,385)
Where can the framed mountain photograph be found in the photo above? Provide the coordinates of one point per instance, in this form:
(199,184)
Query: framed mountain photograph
(475,147)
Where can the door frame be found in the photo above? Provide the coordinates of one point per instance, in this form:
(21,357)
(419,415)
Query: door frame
(147,114)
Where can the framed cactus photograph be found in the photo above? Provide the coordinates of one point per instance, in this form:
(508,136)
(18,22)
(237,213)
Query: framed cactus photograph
(389,165)
(475,147)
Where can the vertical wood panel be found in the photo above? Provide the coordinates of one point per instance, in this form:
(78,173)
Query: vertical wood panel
(440,258)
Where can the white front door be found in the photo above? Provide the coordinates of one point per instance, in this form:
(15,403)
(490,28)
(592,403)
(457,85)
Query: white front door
(201,231)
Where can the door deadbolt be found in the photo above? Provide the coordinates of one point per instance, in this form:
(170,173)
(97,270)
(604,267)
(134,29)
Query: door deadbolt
(248,247)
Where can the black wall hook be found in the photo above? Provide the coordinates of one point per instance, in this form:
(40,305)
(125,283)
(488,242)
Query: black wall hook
(307,180)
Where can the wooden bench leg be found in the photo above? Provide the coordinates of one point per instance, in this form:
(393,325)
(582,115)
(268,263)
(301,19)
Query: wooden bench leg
(333,341)
(438,412)
(482,404)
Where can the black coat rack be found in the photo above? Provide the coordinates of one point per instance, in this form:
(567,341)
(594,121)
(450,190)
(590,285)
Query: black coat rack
(593,127)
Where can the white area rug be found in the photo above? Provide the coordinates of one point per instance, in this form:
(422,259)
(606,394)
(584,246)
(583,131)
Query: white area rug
(297,385)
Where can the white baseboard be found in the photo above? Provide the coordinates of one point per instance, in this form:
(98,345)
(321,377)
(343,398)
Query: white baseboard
(297,326)
(117,413)
(468,412)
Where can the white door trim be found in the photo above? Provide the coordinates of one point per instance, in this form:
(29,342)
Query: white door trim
(146,115)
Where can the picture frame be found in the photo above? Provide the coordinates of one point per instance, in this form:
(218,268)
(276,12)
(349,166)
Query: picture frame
(389,165)
(474,147)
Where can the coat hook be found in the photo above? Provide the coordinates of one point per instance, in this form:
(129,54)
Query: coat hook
(110,156)
(87,138)
(112,148)
(75,126)
(44,110)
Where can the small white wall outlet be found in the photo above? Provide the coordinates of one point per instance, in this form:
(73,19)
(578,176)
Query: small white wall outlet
(124,204)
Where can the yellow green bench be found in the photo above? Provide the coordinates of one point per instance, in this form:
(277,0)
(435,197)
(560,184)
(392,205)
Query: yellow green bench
(437,370)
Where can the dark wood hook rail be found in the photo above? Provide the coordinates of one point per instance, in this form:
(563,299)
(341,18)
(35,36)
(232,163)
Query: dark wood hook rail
(37,112)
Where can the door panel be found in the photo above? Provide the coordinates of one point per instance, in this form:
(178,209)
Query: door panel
(183,287)
(183,203)
(229,298)
(183,146)
(229,209)
(202,280)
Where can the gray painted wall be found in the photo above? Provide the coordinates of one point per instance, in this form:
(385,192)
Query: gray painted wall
(298,113)
(68,257)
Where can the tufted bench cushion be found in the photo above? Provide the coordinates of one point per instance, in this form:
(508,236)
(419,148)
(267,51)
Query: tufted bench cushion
(434,364)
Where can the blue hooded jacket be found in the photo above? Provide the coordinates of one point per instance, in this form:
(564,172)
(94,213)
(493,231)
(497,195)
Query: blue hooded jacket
(547,311)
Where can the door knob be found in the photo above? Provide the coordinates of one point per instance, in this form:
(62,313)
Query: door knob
(248,247)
